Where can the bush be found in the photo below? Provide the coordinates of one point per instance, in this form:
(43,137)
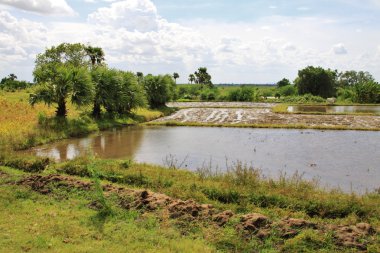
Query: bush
(243,94)
(367,92)
(288,90)
(308,98)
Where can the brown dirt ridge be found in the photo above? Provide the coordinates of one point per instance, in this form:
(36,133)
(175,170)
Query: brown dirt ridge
(250,225)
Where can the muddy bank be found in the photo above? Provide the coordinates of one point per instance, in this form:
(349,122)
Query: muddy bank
(265,116)
(250,225)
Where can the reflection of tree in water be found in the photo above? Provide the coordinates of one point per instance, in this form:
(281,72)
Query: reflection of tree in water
(118,143)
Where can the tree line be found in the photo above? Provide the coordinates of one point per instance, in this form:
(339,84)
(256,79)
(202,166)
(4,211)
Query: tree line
(78,73)
(351,86)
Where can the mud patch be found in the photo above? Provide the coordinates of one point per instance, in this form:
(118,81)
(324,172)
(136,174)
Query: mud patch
(265,116)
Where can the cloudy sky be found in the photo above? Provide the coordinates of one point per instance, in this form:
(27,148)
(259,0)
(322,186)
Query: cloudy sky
(240,41)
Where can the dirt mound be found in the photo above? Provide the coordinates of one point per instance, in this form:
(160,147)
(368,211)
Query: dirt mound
(291,227)
(42,184)
(222,218)
(352,236)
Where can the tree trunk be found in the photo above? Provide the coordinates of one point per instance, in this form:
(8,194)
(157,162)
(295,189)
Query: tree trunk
(96,110)
(61,109)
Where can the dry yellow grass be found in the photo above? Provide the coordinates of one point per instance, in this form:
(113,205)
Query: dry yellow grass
(18,120)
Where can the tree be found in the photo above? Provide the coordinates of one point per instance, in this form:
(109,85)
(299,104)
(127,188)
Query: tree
(62,73)
(69,82)
(175,76)
(202,77)
(191,78)
(96,54)
(159,89)
(140,77)
(316,81)
(131,95)
(367,92)
(283,82)
(352,78)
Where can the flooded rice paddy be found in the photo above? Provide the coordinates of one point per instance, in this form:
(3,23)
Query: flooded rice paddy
(335,108)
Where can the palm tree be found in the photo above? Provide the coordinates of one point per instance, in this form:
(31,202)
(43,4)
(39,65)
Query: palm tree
(96,54)
(175,76)
(191,78)
(69,82)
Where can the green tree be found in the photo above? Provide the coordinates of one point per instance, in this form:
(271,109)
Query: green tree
(367,92)
(131,95)
(316,81)
(191,78)
(175,76)
(96,54)
(62,72)
(283,82)
(352,78)
(203,77)
(159,89)
(69,82)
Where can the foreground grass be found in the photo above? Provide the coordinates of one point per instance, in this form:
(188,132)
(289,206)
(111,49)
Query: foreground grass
(63,220)
(31,222)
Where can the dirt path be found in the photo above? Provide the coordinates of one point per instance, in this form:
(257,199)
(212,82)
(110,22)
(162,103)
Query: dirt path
(265,116)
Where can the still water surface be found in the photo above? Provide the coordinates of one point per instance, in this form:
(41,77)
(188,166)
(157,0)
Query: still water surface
(346,159)
(335,108)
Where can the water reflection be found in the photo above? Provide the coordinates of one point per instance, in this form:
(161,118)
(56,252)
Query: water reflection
(118,143)
(334,108)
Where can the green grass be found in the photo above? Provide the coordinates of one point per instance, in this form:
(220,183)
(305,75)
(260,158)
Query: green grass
(63,222)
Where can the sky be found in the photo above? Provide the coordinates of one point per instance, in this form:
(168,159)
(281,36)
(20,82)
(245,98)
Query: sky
(239,41)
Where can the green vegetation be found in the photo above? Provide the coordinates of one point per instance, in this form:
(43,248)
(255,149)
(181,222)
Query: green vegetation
(69,213)
(10,83)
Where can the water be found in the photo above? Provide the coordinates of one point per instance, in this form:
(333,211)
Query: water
(346,159)
(335,108)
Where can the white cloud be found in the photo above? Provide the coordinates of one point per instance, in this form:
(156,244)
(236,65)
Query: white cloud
(135,37)
(45,7)
(339,49)
(140,15)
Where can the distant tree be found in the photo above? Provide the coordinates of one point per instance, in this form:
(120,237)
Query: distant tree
(191,78)
(316,81)
(283,82)
(159,89)
(352,78)
(11,83)
(96,54)
(62,72)
(12,77)
(175,76)
(140,77)
(202,77)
